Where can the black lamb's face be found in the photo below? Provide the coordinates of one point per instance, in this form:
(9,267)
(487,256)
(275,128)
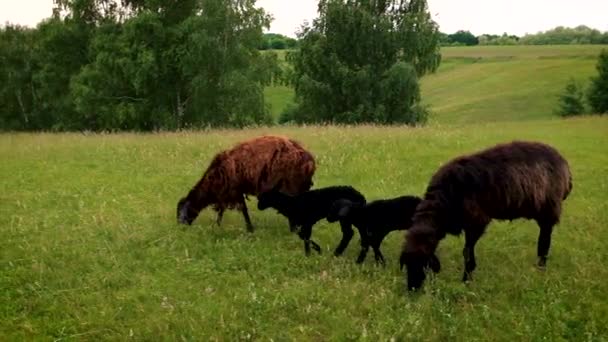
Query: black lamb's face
(265,200)
(185,212)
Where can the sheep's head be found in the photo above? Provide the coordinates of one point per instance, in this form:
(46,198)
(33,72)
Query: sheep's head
(270,197)
(188,210)
(339,210)
(418,254)
(267,199)
(185,214)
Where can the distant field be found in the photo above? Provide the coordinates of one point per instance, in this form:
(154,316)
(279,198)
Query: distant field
(278,97)
(523,51)
(495,83)
(90,249)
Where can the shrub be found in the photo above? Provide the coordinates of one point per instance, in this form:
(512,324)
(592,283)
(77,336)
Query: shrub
(571,100)
(598,91)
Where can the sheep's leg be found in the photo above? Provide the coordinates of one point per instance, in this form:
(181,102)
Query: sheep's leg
(378,255)
(246,215)
(376,246)
(315,246)
(364,249)
(544,243)
(292,226)
(434,264)
(347,235)
(471,238)
(220,215)
(304,234)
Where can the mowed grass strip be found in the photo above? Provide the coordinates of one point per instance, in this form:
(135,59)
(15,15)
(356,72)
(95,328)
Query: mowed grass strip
(90,248)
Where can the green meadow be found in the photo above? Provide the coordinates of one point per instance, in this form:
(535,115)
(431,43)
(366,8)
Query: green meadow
(91,250)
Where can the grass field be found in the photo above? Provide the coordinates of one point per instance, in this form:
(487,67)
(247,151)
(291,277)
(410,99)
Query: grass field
(494,83)
(90,249)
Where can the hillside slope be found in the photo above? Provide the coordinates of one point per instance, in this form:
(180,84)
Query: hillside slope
(492,83)
(495,83)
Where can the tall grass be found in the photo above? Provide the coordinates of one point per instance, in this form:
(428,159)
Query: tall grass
(90,248)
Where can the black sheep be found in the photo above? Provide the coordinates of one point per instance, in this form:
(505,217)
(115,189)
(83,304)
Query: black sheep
(306,209)
(509,181)
(374,221)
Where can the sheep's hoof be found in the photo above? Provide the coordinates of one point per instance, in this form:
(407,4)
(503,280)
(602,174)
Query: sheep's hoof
(541,264)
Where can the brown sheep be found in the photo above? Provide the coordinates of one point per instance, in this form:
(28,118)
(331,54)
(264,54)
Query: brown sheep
(249,168)
(509,181)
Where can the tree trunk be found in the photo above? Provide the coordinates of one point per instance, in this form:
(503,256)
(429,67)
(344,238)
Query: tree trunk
(179,109)
(23,111)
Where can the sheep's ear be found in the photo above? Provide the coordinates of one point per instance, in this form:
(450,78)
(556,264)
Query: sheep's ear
(343,213)
(182,211)
(278,186)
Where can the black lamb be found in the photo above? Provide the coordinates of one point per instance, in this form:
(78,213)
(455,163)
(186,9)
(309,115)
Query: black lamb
(374,221)
(306,209)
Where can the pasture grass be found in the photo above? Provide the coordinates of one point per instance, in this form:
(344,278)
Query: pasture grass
(278,97)
(493,83)
(90,249)
(504,83)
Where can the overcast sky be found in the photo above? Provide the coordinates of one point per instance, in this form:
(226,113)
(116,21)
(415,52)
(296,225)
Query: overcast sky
(478,16)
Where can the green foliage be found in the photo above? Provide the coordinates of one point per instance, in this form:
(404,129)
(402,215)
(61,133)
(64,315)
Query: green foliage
(17,94)
(277,41)
(492,39)
(462,38)
(598,90)
(38,66)
(571,100)
(338,81)
(565,35)
(90,248)
(137,65)
(288,115)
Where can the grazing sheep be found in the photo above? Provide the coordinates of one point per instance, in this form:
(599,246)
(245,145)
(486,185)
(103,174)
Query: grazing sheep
(248,169)
(374,221)
(509,181)
(307,208)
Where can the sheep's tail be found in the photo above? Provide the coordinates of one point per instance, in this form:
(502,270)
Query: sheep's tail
(569,189)
(308,167)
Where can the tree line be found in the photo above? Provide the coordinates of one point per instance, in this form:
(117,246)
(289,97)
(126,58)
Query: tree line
(161,64)
(559,35)
(136,65)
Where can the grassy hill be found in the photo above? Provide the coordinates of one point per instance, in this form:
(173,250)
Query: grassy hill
(90,249)
(494,83)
